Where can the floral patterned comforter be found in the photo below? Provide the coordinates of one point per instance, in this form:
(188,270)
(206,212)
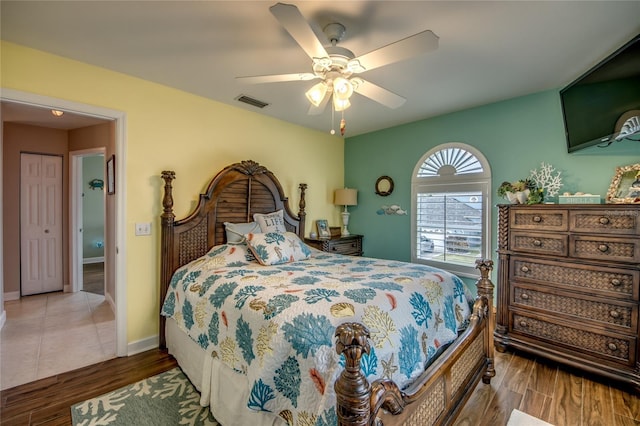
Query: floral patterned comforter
(275,324)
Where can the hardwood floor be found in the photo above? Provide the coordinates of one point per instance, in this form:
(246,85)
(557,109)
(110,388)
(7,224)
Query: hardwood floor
(48,401)
(557,395)
(543,390)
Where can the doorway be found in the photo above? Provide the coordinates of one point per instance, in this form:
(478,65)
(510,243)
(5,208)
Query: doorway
(117,207)
(87,222)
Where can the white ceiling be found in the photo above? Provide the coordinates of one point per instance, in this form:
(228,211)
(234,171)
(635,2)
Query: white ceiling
(488,51)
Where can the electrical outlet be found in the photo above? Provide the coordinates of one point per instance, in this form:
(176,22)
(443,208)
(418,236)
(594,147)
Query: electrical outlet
(143,228)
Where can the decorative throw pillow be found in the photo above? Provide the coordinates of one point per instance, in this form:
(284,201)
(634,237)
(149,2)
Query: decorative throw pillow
(271,222)
(236,231)
(274,248)
(228,255)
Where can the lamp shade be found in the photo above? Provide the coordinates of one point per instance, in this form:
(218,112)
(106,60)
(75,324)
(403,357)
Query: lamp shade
(346,197)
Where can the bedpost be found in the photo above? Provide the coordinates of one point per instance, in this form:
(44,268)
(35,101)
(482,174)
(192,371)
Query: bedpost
(485,292)
(301,213)
(353,390)
(167,218)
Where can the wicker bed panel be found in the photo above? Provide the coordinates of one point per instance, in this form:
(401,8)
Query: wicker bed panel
(429,410)
(193,243)
(467,364)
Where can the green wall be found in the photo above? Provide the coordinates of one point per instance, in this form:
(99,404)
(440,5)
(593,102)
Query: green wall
(515,136)
(92,208)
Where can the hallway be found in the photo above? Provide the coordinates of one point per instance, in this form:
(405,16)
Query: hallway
(51,333)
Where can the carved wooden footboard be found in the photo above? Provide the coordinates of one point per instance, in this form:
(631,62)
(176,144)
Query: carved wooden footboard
(438,395)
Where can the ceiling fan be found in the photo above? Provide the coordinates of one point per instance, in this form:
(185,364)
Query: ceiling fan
(337,66)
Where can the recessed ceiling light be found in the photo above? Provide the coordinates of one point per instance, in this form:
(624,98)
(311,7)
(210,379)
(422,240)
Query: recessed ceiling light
(57,112)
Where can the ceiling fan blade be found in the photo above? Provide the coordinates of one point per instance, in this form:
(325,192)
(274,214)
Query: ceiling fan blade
(380,95)
(297,26)
(317,110)
(415,45)
(276,78)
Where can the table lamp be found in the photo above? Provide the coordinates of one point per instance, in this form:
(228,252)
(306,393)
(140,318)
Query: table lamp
(345,197)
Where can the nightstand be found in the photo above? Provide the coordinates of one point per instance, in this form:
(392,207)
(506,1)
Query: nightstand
(350,245)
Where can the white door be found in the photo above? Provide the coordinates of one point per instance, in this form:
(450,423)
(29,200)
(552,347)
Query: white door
(40,224)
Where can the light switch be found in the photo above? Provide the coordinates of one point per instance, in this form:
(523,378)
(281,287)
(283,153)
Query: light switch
(143,228)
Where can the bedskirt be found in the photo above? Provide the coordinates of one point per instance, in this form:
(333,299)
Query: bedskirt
(222,389)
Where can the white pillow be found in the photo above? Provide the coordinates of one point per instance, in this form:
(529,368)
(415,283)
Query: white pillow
(271,222)
(236,231)
(274,248)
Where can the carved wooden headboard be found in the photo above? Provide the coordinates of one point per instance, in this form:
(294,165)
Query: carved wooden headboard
(233,195)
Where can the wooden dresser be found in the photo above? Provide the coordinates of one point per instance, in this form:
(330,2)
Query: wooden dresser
(351,245)
(568,286)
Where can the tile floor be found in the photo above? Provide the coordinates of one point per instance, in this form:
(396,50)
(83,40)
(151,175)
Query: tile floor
(52,333)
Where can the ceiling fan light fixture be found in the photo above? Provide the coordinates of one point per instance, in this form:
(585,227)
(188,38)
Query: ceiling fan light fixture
(317,93)
(339,104)
(342,89)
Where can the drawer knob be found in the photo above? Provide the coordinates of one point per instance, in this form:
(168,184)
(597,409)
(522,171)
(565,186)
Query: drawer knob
(523,323)
(524,296)
(333,248)
(612,346)
(603,248)
(614,314)
(616,282)
(537,219)
(604,220)
(537,243)
(525,269)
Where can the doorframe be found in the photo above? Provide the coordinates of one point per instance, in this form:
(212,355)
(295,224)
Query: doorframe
(76,221)
(119,266)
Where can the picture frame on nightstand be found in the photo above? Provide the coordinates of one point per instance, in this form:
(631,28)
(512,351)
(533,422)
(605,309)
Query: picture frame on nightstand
(324,232)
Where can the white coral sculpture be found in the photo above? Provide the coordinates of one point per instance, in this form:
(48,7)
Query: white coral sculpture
(545,179)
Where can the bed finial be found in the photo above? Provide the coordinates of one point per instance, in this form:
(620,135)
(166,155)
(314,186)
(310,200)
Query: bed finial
(353,390)
(166,236)
(485,291)
(303,202)
(167,200)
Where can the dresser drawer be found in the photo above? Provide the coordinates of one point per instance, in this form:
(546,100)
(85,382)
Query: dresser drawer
(607,281)
(605,248)
(532,219)
(553,244)
(620,315)
(605,221)
(351,246)
(610,346)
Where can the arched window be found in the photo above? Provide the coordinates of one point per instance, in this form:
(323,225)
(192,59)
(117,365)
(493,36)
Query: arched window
(451,211)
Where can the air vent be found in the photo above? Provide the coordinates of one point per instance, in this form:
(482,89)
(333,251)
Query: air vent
(251,101)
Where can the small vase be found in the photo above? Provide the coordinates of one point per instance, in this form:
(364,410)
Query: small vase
(519,197)
(522,196)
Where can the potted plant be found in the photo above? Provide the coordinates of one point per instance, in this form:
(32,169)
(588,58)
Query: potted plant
(523,191)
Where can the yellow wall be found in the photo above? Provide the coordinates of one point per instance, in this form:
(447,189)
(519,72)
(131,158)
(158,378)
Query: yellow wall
(167,129)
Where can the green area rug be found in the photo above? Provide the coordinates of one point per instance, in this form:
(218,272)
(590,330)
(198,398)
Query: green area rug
(166,399)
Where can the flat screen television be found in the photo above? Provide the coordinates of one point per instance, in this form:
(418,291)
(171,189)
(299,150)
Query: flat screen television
(593,104)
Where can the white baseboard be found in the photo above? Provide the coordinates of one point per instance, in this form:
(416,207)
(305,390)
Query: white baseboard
(143,345)
(11,295)
(3,318)
(88,260)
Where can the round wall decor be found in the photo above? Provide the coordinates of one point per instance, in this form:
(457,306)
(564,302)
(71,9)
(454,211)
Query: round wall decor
(384,186)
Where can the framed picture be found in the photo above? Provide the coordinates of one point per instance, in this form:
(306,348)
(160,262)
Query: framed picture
(111,175)
(323,228)
(625,185)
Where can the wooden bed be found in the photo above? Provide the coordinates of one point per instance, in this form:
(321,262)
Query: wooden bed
(245,188)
